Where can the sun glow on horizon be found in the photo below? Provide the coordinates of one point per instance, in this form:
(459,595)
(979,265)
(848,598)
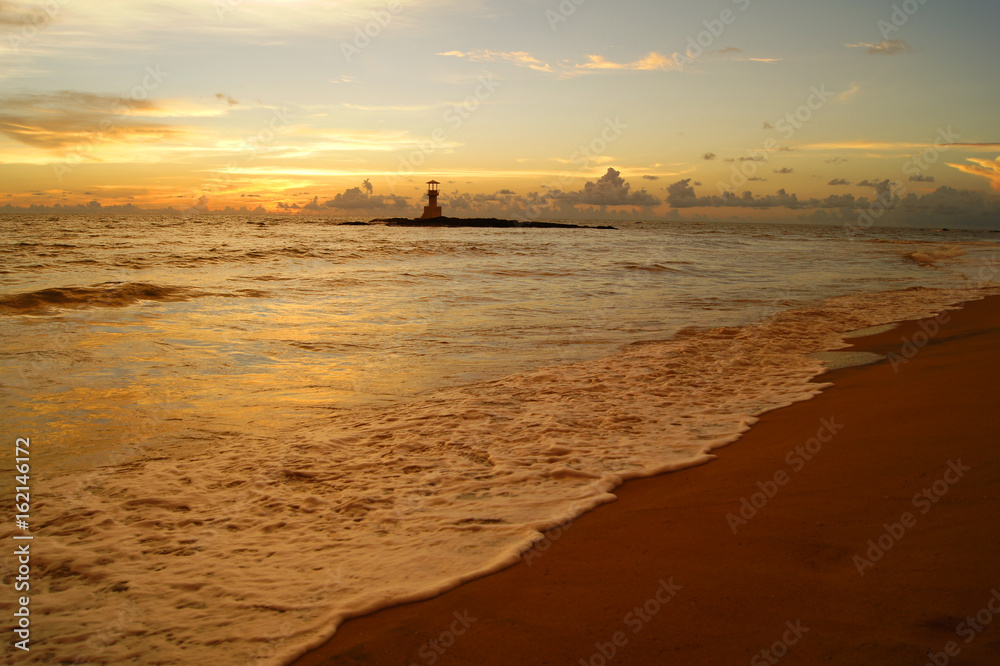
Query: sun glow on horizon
(295,103)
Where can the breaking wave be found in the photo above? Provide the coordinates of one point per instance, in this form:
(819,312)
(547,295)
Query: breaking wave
(106,295)
(931,257)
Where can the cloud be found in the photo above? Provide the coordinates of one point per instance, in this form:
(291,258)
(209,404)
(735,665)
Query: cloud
(682,195)
(883,188)
(653,61)
(847,95)
(391,107)
(963,208)
(519,58)
(737,58)
(647,177)
(610,190)
(990,170)
(768,125)
(58,120)
(757,179)
(16,14)
(226,98)
(839,181)
(867,145)
(885,47)
(836,160)
(920,178)
(988,146)
(784,170)
(708,156)
(501,202)
(356,199)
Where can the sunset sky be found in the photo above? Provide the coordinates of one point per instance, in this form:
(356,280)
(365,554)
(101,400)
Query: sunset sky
(556,107)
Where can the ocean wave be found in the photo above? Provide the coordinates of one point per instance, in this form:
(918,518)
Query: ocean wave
(658,267)
(388,505)
(931,257)
(107,295)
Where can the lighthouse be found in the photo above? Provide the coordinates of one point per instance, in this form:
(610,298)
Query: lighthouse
(432,210)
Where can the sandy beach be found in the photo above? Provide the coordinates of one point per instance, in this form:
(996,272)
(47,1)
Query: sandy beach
(859,527)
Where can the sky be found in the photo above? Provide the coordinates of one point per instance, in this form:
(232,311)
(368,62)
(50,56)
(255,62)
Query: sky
(876,111)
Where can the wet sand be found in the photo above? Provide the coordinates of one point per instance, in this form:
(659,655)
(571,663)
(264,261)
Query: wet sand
(876,532)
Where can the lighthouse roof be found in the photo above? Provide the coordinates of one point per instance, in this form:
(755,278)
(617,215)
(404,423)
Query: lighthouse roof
(433,182)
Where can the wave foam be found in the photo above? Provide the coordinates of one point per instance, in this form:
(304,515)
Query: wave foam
(931,257)
(254,552)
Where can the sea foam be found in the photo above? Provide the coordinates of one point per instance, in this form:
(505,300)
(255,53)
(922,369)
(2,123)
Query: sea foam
(253,551)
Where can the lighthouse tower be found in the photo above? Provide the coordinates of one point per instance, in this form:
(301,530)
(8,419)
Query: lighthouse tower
(432,210)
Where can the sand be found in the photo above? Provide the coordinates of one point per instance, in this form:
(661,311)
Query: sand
(874,536)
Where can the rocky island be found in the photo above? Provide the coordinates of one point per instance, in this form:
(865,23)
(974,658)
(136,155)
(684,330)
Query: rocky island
(480,222)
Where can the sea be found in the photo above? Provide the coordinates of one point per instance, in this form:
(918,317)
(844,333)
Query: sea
(244,430)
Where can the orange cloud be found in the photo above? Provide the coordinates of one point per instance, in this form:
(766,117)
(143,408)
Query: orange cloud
(54,121)
(519,58)
(990,170)
(653,61)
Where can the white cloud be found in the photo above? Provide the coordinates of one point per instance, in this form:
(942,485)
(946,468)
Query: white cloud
(610,190)
(885,47)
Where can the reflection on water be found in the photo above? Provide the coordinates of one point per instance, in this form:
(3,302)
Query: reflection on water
(122,336)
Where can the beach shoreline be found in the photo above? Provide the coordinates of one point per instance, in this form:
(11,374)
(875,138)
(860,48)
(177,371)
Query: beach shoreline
(853,527)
